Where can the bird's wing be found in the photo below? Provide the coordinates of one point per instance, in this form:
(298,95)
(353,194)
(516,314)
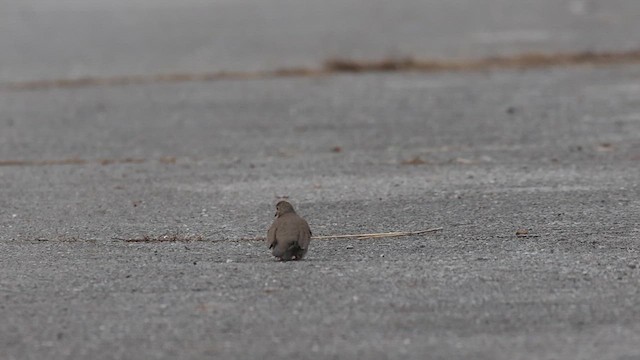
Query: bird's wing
(304,238)
(271,235)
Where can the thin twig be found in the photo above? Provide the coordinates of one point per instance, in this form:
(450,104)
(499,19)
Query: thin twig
(361,236)
(377,235)
(167,237)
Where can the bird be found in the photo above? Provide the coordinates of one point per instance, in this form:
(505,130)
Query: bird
(289,235)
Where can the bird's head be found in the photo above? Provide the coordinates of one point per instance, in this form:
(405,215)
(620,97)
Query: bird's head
(283,207)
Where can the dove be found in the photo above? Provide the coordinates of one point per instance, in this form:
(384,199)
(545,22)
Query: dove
(289,234)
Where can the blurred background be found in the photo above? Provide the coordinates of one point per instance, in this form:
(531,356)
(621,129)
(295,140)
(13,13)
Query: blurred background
(59,39)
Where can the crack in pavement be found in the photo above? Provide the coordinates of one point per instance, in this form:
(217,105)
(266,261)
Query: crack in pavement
(338,66)
(80,161)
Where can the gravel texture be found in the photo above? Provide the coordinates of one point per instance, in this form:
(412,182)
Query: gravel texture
(483,155)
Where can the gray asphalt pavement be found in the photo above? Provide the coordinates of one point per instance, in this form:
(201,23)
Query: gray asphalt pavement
(551,154)
(554,152)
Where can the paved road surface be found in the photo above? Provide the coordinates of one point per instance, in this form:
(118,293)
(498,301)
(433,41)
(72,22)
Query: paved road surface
(555,152)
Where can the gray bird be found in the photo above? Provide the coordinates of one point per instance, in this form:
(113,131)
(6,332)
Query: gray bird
(289,235)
